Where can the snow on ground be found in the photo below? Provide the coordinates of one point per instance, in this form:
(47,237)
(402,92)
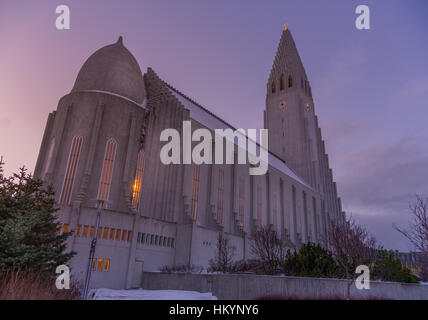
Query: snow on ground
(140,294)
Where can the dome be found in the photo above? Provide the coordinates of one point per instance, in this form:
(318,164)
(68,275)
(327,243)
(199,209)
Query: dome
(113,69)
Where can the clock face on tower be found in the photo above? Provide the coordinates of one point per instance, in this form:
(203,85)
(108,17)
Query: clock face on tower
(282,104)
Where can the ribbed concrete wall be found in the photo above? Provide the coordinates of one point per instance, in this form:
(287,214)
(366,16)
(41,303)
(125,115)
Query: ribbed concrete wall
(248,287)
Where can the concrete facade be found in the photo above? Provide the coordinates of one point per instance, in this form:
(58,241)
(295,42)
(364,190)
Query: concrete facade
(103,142)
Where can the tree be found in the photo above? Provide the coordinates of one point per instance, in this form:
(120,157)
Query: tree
(311,260)
(417,233)
(28,238)
(268,248)
(351,246)
(225,252)
(388,268)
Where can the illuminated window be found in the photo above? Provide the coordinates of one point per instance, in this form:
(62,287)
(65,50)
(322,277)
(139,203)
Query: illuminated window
(106,264)
(70,172)
(220,195)
(85,231)
(281,82)
(111,237)
(241,209)
(94,263)
(105,233)
(138,181)
(195,191)
(118,234)
(58,229)
(123,235)
(91,231)
(99,233)
(290,81)
(100,265)
(129,236)
(78,230)
(107,171)
(66,227)
(273,87)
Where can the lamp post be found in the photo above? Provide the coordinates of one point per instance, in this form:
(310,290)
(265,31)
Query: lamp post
(100,205)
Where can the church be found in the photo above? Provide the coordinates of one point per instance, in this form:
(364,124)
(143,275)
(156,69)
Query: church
(101,151)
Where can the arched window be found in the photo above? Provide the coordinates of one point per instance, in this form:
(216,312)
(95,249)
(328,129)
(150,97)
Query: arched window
(290,81)
(273,87)
(138,181)
(107,170)
(70,172)
(281,82)
(195,191)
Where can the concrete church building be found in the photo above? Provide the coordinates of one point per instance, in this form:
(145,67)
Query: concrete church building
(103,143)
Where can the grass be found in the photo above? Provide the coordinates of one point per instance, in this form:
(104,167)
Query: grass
(25,285)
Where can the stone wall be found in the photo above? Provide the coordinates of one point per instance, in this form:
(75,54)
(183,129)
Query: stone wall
(248,287)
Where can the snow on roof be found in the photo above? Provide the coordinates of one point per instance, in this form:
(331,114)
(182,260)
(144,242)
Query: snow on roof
(211,121)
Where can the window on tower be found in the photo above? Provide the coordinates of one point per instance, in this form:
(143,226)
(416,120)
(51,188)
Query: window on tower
(73,158)
(138,181)
(273,87)
(220,195)
(107,170)
(290,81)
(281,82)
(241,212)
(195,191)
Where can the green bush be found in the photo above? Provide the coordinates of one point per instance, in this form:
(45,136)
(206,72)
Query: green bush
(311,260)
(388,268)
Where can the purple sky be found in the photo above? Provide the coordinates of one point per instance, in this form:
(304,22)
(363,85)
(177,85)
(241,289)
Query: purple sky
(370,87)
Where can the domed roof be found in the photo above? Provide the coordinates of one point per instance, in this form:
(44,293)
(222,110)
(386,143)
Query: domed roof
(113,69)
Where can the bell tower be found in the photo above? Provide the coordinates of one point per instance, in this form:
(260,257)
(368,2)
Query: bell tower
(289,115)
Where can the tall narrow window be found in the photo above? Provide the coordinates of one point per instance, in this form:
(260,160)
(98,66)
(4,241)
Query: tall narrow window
(314,210)
(220,195)
(306,216)
(259,205)
(290,81)
(274,212)
(70,172)
(273,87)
(138,181)
(195,191)
(107,171)
(296,218)
(281,82)
(49,158)
(241,209)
